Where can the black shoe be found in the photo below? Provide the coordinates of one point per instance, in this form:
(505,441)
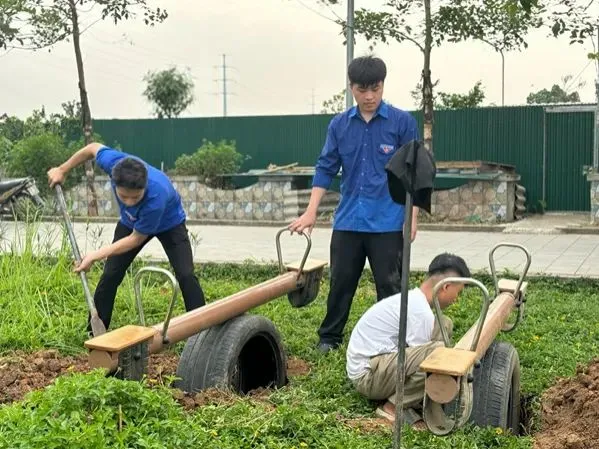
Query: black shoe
(326,347)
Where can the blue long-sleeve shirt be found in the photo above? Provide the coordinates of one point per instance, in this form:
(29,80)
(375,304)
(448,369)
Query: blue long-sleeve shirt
(362,150)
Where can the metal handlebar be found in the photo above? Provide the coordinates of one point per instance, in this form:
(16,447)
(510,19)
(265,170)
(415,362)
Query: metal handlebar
(494,272)
(137,290)
(483,313)
(280,256)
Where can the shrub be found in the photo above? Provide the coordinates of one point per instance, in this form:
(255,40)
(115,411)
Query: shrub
(34,155)
(209,161)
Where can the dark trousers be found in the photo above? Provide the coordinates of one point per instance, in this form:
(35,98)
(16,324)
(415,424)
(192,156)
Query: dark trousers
(349,251)
(177,246)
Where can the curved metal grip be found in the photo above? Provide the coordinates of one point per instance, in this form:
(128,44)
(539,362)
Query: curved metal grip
(137,289)
(494,272)
(483,313)
(280,256)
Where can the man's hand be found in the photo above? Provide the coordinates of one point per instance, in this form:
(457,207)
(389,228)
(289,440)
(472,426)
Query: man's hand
(86,263)
(414,229)
(306,221)
(55,176)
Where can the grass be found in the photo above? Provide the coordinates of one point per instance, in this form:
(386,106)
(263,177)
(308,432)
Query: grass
(43,307)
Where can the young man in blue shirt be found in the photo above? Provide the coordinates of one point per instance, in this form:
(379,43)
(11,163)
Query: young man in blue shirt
(149,207)
(368,223)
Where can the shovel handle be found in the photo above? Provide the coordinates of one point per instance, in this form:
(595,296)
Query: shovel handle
(76,254)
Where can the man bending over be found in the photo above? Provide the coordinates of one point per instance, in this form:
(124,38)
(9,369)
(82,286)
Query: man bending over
(149,207)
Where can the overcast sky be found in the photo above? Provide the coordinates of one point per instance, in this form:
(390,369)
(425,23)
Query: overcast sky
(283,57)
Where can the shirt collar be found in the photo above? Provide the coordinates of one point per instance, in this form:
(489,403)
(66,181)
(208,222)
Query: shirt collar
(382,110)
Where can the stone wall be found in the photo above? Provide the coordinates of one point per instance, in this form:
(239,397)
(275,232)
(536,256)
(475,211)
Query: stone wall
(268,200)
(476,201)
(264,201)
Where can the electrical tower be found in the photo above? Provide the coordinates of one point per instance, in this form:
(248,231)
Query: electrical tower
(225,91)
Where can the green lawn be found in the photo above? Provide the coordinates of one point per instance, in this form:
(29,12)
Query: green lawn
(43,307)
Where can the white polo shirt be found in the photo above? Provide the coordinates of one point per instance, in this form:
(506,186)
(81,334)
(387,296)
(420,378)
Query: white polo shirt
(377,330)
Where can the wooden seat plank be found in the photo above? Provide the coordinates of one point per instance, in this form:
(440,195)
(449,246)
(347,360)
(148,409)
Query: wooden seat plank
(450,361)
(310,265)
(509,286)
(121,338)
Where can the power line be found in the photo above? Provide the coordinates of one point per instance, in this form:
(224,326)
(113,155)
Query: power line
(316,12)
(224,85)
(573,80)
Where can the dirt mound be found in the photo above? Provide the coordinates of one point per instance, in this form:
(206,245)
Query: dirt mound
(22,372)
(570,412)
(297,367)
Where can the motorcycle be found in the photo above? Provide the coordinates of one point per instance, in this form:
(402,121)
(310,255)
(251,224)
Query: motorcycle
(16,193)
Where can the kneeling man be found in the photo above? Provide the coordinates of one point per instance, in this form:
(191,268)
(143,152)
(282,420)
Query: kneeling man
(372,349)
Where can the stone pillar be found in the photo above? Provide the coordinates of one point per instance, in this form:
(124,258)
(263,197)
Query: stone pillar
(593,179)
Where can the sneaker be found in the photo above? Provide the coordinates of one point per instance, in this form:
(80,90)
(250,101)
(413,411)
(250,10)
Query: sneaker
(326,347)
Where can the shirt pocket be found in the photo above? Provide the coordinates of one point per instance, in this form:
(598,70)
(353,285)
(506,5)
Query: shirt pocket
(383,153)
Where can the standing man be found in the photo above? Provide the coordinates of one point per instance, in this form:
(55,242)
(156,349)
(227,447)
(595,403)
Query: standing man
(368,223)
(150,207)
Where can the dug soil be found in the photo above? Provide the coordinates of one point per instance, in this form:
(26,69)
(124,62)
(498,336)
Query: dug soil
(22,372)
(570,412)
(570,409)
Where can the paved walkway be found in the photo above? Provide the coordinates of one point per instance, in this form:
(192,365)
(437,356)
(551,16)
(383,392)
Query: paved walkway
(552,254)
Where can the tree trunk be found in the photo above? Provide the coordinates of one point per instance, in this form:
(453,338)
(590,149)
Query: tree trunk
(427,84)
(86,117)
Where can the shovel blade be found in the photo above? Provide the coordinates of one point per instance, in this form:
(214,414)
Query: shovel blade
(97,326)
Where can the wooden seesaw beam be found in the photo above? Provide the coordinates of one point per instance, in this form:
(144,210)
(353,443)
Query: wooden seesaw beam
(105,349)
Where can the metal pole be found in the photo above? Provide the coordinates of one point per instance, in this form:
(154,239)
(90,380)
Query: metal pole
(502,78)
(596,139)
(349,100)
(544,173)
(224,86)
(403,312)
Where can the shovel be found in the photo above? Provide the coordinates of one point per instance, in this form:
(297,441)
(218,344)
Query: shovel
(97,325)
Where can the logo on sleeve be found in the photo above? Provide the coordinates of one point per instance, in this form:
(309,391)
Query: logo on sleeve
(129,216)
(387,148)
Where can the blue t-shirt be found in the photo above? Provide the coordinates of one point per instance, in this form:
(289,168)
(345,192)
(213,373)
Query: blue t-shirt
(159,210)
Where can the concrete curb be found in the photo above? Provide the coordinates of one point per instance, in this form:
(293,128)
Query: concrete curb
(434,227)
(450,227)
(586,230)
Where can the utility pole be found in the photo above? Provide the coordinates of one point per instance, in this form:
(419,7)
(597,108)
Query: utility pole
(349,100)
(313,102)
(596,139)
(502,78)
(226,93)
(224,85)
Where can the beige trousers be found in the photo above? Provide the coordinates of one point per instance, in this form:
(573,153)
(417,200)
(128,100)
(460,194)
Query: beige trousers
(380,380)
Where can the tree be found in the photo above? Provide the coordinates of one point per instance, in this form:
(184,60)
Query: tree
(396,23)
(38,24)
(557,94)
(334,105)
(446,100)
(11,127)
(170,91)
(498,23)
(472,99)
